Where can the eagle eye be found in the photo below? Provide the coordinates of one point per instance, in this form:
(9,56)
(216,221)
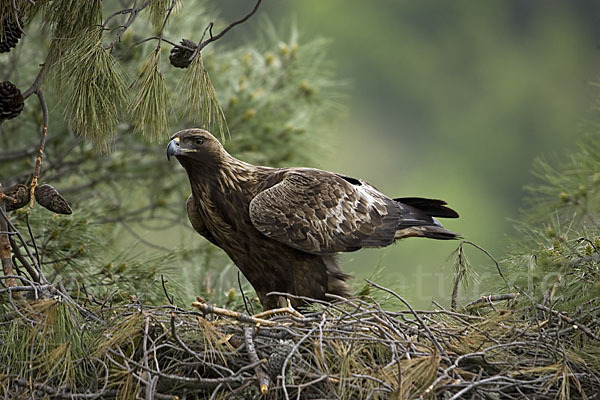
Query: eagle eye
(199,141)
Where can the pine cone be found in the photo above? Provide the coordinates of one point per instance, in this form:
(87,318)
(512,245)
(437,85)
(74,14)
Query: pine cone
(11,35)
(19,197)
(180,58)
(277,358)
(49,198)
(11,101)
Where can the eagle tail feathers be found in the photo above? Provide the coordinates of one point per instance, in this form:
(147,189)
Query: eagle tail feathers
(431,207)
(418,219)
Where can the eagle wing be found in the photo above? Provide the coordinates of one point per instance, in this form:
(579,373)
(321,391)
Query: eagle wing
(196,220)
(320,212)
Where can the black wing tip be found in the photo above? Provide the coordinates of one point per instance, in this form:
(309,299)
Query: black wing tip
(432,207)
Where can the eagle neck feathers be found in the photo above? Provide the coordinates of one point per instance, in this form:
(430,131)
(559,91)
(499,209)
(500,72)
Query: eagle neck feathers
(222,191)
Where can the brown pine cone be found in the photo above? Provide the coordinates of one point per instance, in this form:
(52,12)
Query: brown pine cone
(49,198)
(11,35)
(19,196)
(179,57)
(11,101)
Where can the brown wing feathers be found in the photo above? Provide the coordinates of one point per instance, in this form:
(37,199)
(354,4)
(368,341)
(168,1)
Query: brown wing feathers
(323,213)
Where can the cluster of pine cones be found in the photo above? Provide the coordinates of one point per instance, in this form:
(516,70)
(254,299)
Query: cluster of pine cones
(11,99)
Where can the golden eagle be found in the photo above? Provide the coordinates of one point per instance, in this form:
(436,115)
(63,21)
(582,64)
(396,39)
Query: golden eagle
(282,227)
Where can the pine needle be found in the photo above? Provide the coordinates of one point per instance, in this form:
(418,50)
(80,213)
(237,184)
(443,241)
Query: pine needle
(464,273)
(96,93)
(158,10)
(70,19)
(149,107)
(202,102)
(417,374)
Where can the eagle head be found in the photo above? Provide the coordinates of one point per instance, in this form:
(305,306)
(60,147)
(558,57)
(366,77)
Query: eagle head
(195,145)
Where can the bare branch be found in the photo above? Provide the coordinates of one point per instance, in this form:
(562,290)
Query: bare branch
(228,28)
(41,146)
(492,298)
(263,378)
(5,253)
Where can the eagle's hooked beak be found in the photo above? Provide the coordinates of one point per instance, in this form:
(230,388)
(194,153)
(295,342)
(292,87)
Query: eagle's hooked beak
(173,148)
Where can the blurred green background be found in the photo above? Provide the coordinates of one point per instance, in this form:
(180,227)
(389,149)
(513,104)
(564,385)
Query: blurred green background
(451,100)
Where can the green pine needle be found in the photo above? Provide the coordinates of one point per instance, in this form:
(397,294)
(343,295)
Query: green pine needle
(69,18)
(202,104)
(72,16)
(149,107)
(158,10)
(96,92)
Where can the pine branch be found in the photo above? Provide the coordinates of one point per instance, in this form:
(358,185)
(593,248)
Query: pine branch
(203,106)
(133,14)
(41,147)
(148,109)
(97,93)
(212,38)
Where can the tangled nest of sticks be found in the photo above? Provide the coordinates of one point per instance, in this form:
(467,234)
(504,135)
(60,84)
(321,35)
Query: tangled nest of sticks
(353,348)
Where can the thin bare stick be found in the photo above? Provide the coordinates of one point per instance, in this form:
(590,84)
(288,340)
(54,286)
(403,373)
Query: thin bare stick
(133,13)
(487,253)
(164,40)
(41,146)
(29,288)
(224,31)
(5,253)
(212,38)
(181,342)
(162,281)
(565,318)
(423,325)
(284,310)
(208,309)
(288,358)
(461,270)
(37,83)
(35,246)
(239,279)
(33,259)
(19,256)
(164,25)
(492,298)
(263,378)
